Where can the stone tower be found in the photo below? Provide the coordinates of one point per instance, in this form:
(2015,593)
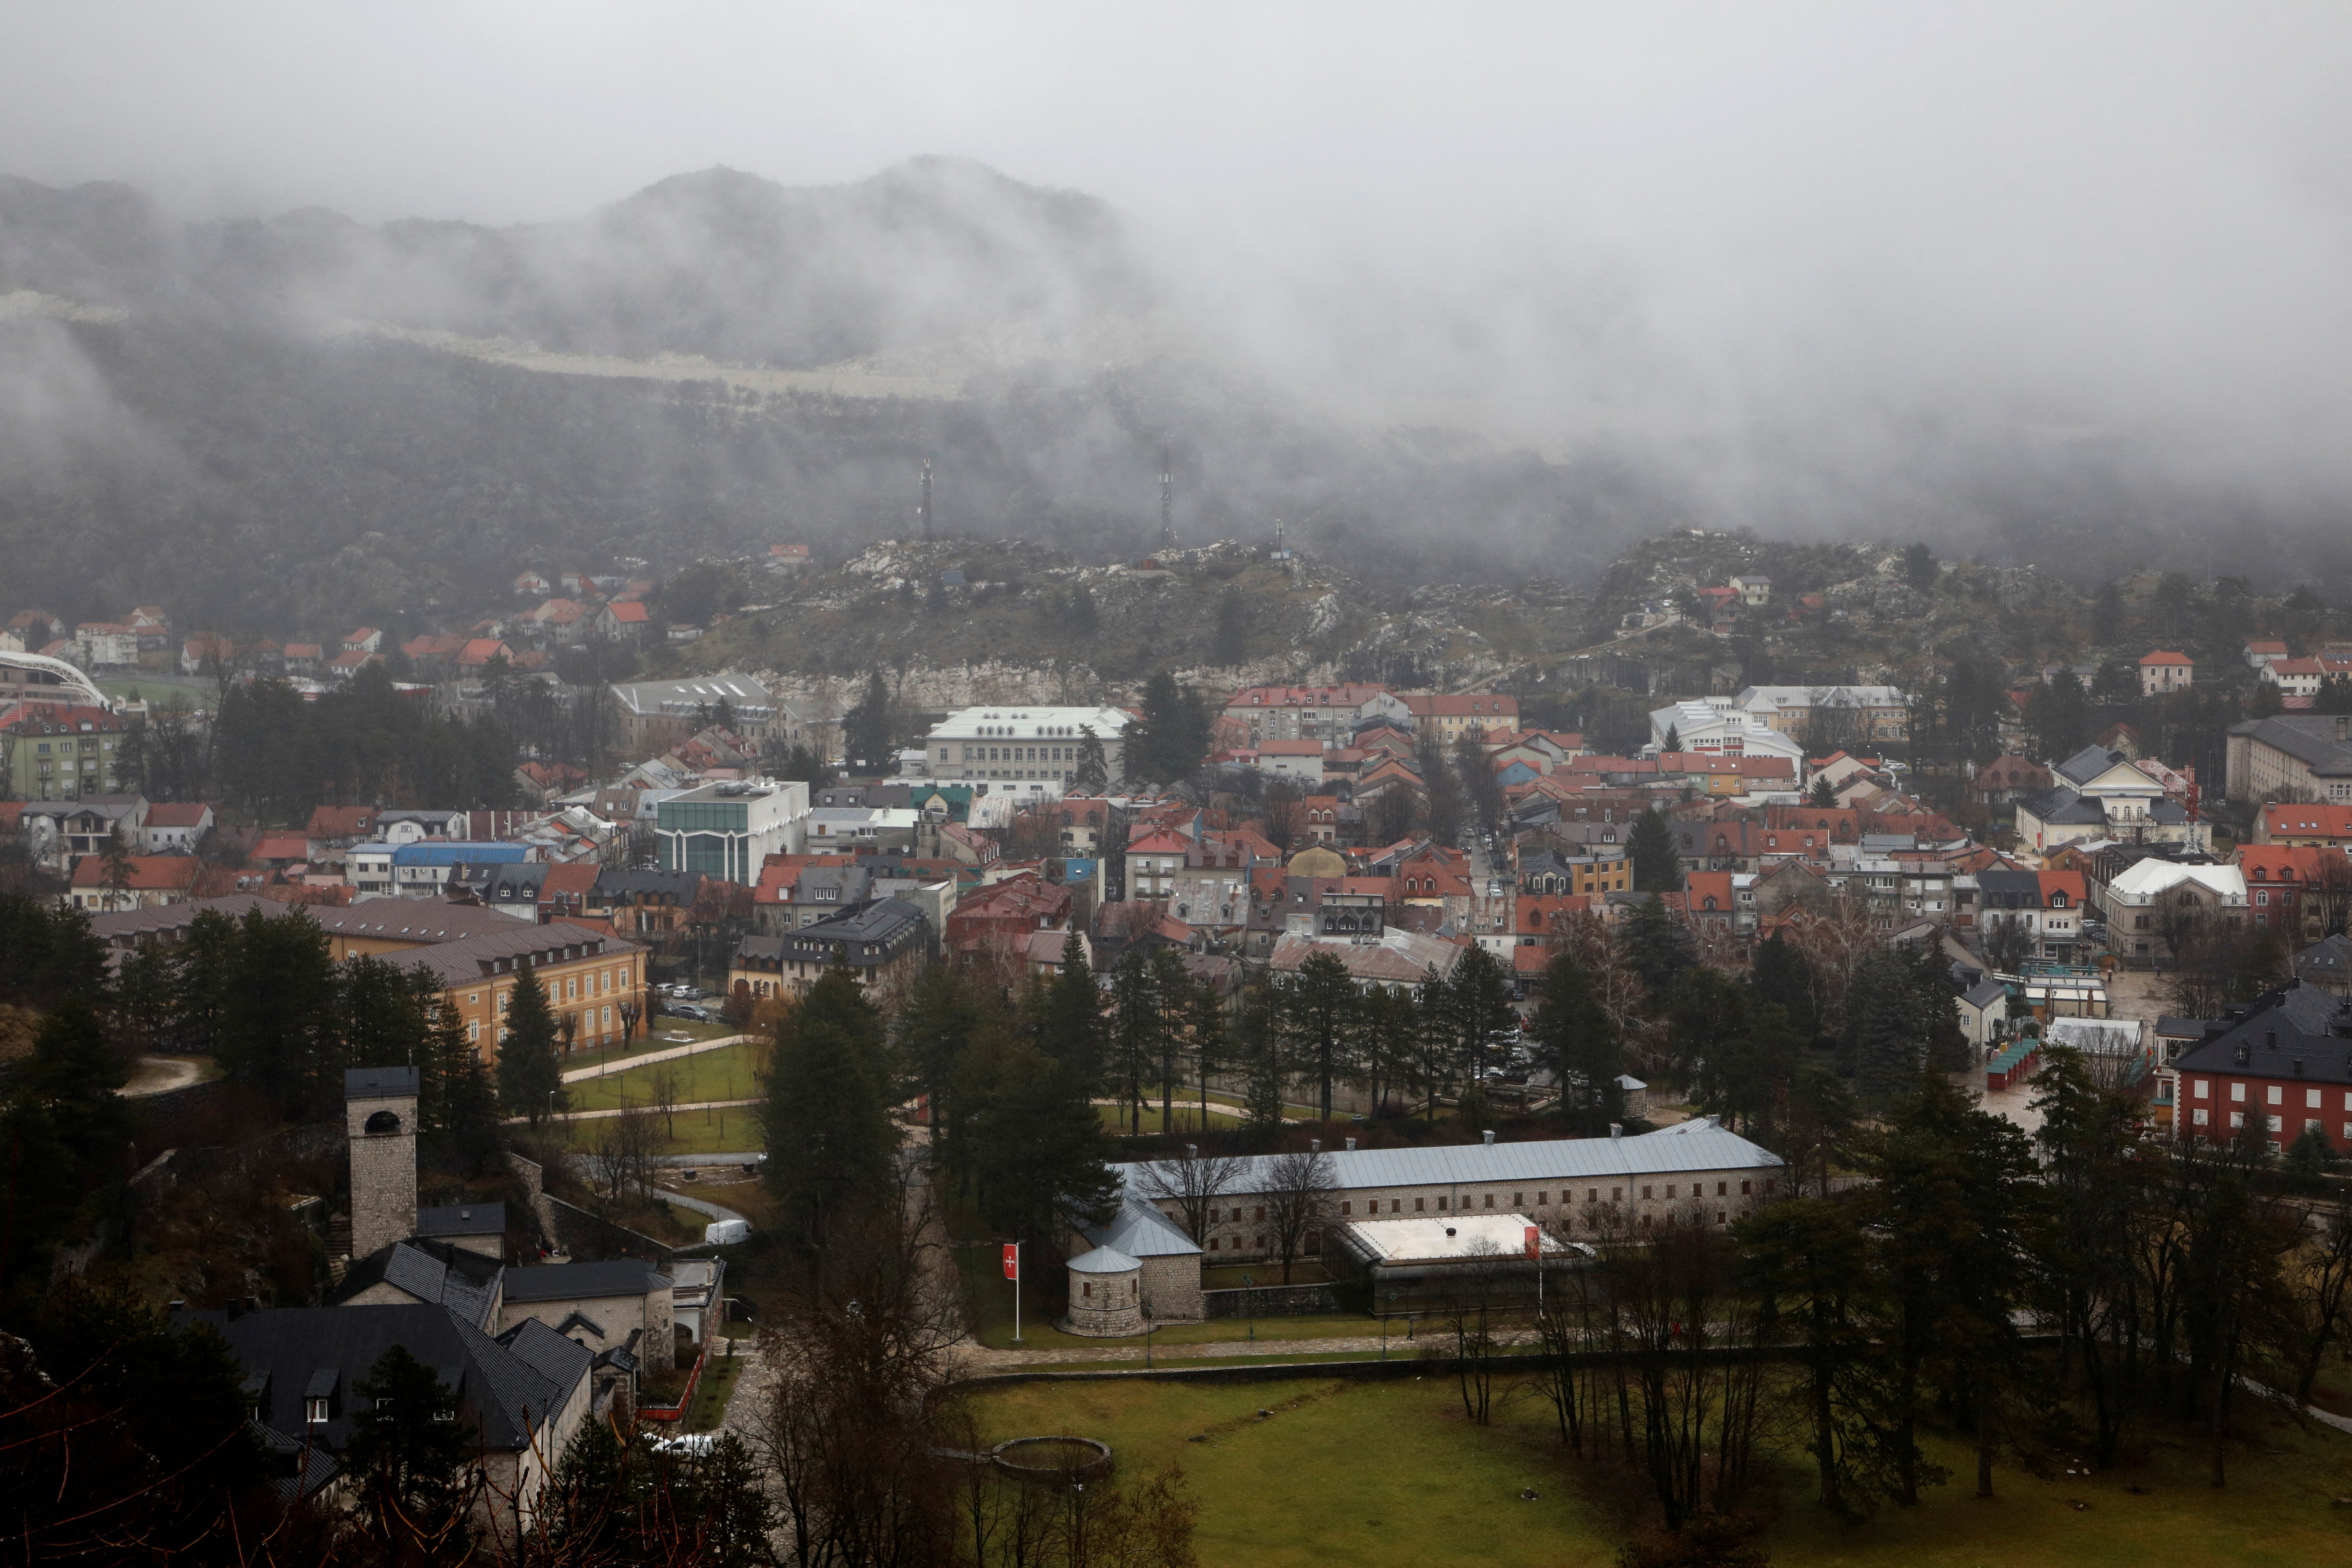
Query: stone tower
(380,1118)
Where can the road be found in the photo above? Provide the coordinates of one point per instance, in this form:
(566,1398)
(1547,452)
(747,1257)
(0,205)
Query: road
(702,1205)
(623,1064)
(624,1109)
(162,1075)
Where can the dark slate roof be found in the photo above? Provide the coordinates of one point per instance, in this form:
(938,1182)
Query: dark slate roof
(2296,1023)
(2187,1028)
(2061,806)
(2309,738)
(508,1392)
(295,1468)
(560,1361)
(583,1281)
(463,1219)
(434,1273)
(2168,812)
(1984,994)
(2329,952)
(2088,764)
(888,925)
(379,1083)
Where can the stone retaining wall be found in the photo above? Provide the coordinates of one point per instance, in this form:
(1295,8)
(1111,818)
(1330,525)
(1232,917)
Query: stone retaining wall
(1271,1301)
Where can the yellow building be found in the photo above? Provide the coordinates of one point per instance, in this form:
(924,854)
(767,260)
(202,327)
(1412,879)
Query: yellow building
(474,953)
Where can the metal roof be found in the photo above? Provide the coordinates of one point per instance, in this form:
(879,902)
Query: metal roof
(1102,1260)
(1686,1147)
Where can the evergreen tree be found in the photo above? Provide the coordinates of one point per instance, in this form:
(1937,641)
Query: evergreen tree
(1092,775)
(1069,1028)
(382,1018)
(1136,1026)
(278,1021)
(406,1450)
(830,1139)
(1824,794)
(1262,1066)
(1882,1021)
(1039,1153)
(206,970)
(868,729)
(2107,614)
(1784,976)
(1919,568)
(1172,988)
(1168,743)
(1708,1024)
(1206,1031)
(1657,866)
(2059,714)
(1673,740)
(1576,1042)
(1655,946)
(1478,1012)
(530,1066)
(1320,1014)
(116,858)
(1805,1260)
(934,1029)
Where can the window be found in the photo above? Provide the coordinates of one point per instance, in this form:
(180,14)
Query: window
(1722,1188)
(314,1410)
(2237,1119)
(1616,1194)
(1213,1244)
(2278,1095)
(2309,1122)
(1261,1211)
(1743,1188)
(2197,1118)
(2271,1123)
(1396,1206)
(2238,1092)
(1518,1199)
(1440,1205)
(2311,1098)
(1490,1200)
(1417,1205)
(1086,1290)
(1346,1207)
(1645,1194)
(2204,1088)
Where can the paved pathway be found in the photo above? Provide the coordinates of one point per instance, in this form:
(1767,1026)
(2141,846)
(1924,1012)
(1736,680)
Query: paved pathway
(979,1358)
(702,1205)
(643,1058)
(624,1109)
(168,1074)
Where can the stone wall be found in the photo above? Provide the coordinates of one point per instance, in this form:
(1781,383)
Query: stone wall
(1105,1305)
(1171,1288)
(1272,1301)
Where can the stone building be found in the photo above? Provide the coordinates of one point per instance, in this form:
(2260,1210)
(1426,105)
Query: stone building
(1691,1173)
(1106,1293)
(379,1122)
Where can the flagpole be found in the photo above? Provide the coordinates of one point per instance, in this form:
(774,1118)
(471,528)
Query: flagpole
(1016,1292)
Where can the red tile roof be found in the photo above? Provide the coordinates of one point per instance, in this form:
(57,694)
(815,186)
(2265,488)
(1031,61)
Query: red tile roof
(147,873)
(2165,656)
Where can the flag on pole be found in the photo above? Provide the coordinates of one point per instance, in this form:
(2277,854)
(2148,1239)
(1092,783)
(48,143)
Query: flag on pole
(1534,1243)
(1013,1260)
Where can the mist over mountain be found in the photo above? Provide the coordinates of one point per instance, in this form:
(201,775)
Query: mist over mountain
(290,421)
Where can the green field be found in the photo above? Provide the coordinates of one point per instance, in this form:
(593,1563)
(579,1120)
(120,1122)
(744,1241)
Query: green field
(726,1131)
(1391,1473)
(728,1072)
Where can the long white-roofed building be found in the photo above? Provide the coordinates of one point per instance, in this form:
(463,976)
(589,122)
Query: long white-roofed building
(1693,1173)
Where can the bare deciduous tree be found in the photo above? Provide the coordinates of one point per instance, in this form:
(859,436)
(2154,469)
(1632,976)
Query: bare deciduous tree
(1193,1182)
(1298,1188)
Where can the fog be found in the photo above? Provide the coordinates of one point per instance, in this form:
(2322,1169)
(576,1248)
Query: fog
(1817,259)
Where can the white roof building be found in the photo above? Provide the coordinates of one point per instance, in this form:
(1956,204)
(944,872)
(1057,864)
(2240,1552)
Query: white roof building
(1017,743)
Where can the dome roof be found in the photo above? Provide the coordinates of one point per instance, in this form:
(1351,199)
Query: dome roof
(1103,1260)
(1316,861)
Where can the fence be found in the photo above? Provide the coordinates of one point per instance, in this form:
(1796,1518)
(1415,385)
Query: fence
(1271,1301)
(685,1401)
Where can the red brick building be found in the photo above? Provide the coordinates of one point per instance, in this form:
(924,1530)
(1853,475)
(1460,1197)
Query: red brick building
(2284,1068)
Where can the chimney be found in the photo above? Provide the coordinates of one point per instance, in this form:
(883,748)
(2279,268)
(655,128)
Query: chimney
(1487,1136)
(1352,1145)
(1616,1130)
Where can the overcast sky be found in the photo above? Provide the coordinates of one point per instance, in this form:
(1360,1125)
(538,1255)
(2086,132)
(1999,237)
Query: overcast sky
(2078,218)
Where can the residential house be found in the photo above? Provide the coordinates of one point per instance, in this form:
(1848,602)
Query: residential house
(1326,714)
(303,658)
(176,826)
(2286,1063)
(2149,900)
(1005,915)
(1753,587)
(1153,863)
(788,558)
(623,620)
(2049,906)
(52,751)
(1449,717)
(2162,671)
(2326,826)
(106,645)
(366,639)
(2261,653)
(885,943)
(2293,891)
(2008,778)
(2326,962)
(147,881)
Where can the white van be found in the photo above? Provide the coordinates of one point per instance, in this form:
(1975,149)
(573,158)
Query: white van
(726,1232)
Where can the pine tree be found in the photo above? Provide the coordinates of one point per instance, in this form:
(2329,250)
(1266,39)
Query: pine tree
(1069,1030)
(1673,740)
(1136,1028)
(1575,1041)
(116,856)
(1478,1009)
(1320,1014)
(868,727)
(276,1026)
(407,1449)
(1824,794)
(1657,865)
(531,1069)
(1092,775)
(1205,1032)
(1168,743)
(830,1139)
(1889,1049)
(1655,946)
(1039,1155)
(1782,975)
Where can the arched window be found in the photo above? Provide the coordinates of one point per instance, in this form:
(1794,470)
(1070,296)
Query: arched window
(381,1122)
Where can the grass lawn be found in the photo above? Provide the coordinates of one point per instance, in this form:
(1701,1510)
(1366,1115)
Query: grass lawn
(726,1130)
(727,1073)
(1115,1120)
(717,1387)
(1392,1473)
(991,1294)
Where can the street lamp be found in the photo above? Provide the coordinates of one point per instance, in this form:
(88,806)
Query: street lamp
(1250,1303)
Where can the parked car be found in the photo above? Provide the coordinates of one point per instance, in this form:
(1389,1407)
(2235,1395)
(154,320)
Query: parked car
(726,1232)
(688,1010)
(688,1445)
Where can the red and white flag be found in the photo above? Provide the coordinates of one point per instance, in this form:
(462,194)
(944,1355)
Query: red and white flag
(1013,1260)
(1534,1241)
